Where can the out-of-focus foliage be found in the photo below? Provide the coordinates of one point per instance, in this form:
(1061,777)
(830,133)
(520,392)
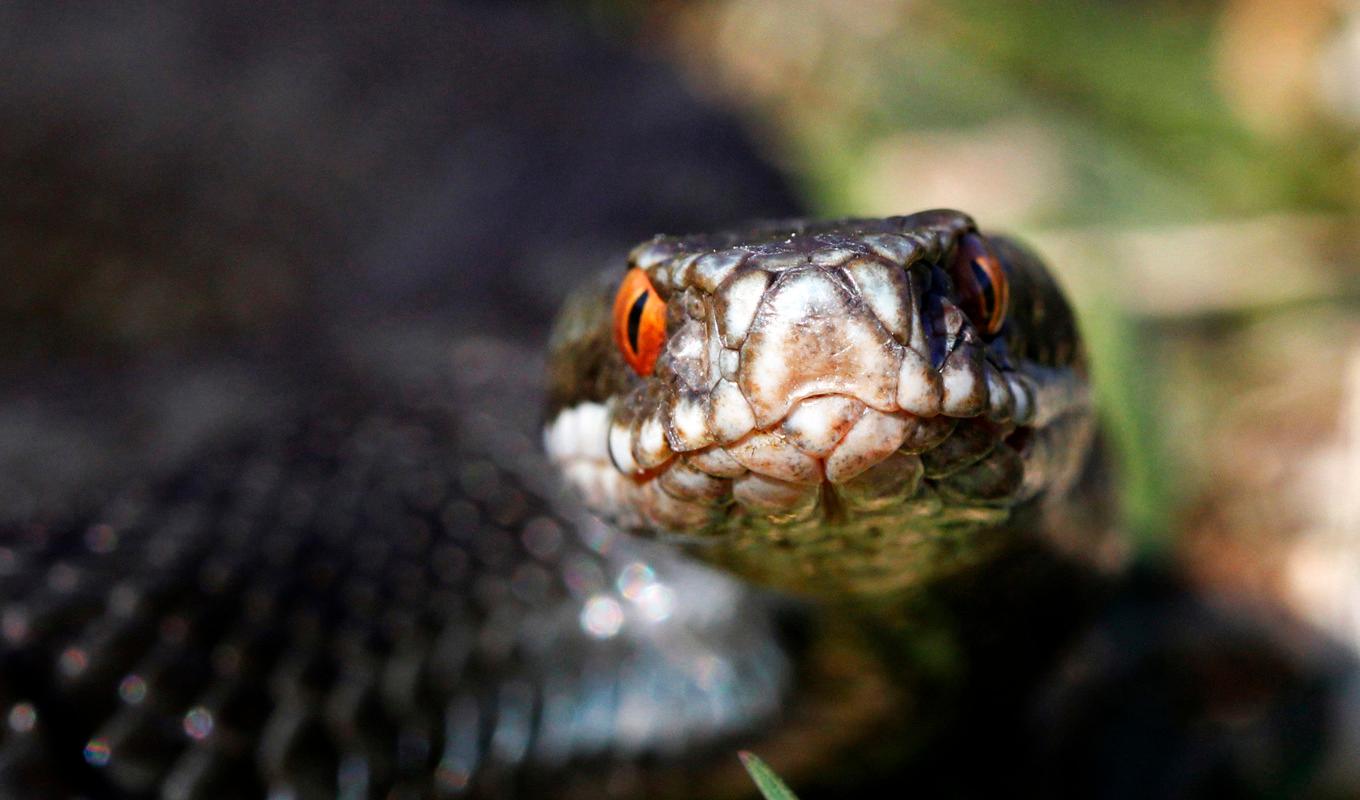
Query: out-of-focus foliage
(1065,112)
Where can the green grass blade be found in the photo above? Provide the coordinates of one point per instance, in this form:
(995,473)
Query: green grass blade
(766,780)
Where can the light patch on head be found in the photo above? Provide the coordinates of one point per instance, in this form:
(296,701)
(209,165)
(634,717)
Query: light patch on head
(816,424)
(737,304)
(873,438)
(887,292)
(578,432)
(582,445)
(920,389)
(810,338)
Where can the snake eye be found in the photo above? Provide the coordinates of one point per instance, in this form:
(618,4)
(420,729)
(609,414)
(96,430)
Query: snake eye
(639,322)
(983,289)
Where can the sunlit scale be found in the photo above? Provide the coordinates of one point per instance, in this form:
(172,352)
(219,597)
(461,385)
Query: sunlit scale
(634,578)
(602,617)
(97,752)
(656,602)
(14,625)
(542,537)
(72,662)
(101,539)
(296,623)
(132,689)
(22,717)
(583,576)
(637,583)
(198,723)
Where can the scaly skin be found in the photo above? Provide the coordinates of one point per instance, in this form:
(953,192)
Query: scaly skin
(361,581)
(824,417)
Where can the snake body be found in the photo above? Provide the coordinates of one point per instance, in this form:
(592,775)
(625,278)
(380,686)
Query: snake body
(378,589)
(374,585)
(368,591)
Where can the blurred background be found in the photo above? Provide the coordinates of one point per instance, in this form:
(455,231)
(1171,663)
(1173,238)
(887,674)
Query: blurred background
(182,183)
(1192,170)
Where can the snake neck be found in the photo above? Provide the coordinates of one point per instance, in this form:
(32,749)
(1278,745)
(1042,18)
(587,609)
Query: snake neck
(971,642)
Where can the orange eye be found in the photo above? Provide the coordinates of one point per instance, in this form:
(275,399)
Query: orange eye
(981,283)
(639,322)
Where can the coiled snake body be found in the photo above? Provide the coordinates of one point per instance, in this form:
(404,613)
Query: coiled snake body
(377,590)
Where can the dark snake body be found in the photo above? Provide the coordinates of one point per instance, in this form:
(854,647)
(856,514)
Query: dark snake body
(352,598)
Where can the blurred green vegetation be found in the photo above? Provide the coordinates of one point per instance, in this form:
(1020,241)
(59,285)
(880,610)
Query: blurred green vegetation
(1128,86)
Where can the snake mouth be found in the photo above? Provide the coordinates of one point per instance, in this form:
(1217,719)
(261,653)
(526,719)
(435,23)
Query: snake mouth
(832,457)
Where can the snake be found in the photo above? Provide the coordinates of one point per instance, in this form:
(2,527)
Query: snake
(294,502)
(392,585)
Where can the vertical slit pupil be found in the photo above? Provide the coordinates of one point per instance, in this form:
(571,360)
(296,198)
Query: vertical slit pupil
(984,282)
(635,319)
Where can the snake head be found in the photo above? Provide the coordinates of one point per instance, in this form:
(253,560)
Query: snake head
(802,381)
